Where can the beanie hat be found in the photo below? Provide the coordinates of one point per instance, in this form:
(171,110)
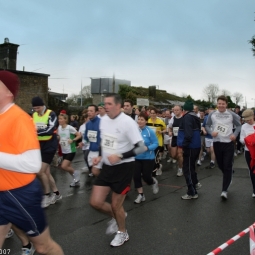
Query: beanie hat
(37,101)
(101,104)
(11,81)
(63,111)
(188,106)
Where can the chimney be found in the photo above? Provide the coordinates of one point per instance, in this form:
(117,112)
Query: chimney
(8,55)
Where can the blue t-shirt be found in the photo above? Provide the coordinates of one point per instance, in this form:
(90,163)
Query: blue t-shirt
(204,123)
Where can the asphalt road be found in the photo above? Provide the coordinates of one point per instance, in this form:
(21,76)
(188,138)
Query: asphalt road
(163,224)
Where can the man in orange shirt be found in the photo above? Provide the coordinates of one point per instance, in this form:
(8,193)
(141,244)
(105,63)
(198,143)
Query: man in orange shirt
(20,160)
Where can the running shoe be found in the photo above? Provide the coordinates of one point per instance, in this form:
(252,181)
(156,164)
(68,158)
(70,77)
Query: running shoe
(85,169)
(212,165)
(10,234)
(198,185)
(188,197)
(26,251)
(55,198)
(140,198)
(159,170)
(46,201)
(199,163)
(238,152)
(119,239)
(155,187)
(169,160)
(179,172)
(91,175)
(224,195)
(174,161)
(75,183)
(253,195)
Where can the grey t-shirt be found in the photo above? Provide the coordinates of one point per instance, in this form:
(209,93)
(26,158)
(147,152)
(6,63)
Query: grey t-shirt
(222,122)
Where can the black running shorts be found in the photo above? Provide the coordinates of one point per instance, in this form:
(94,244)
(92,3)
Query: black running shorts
(117,177)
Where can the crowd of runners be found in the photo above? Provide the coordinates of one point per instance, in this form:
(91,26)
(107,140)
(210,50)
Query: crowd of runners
(121,143)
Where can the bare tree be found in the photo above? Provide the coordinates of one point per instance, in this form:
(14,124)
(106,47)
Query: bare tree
(238,97)
(225,92)
(211,91)
(86,91)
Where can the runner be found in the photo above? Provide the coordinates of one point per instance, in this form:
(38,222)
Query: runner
(173,126)
(20,160)
(247,129)
(144,162)
(101,110)
(46,123)
(121,141)
(92,135)
(68,136)
(189,140)
(222,121)
(159,128)
(128,108)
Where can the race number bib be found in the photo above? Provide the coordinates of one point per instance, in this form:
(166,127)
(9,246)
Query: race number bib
(92,136)
(64,143)
(40,125)
(221,129)
(109,143)
(175,131)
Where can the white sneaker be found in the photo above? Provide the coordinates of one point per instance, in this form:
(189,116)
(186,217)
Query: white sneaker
(235,154)
(159,170)
(169,160)
(253,195)
(26,251)
(54,198)
(188,197)
(85,169)
(238,152)
(120,238)
(112,226)
(224,195)
(76,175)
(179,172)
(91,175)
(155,187)
(174,161)
(198,185)
(140,198)
(46,201)
(10,234)
(75,183)
(199,163)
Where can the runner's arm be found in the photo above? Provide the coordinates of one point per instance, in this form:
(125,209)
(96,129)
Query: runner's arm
(26,162)
(138,148)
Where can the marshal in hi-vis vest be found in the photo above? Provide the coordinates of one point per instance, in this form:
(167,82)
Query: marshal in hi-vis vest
(41,122)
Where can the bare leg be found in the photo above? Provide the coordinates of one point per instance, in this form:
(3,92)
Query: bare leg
(118,210)
(180,157)
(95,171)
(4,229)
(66,165)
(21,235)
(140,190)
(98,197)
(44,244)
(52,182)
(44,178)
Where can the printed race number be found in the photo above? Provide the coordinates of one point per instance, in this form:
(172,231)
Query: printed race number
(222,129)
(5,251)
(109,143)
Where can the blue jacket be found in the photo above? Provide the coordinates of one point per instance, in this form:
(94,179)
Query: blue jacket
(150,141)
(93,125)
(204,123)
(189,132)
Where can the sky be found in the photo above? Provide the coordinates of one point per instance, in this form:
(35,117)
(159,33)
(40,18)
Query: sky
(180,46)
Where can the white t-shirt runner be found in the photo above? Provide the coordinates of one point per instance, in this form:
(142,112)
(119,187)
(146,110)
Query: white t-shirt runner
(82,130)
(118,135)
(67,133)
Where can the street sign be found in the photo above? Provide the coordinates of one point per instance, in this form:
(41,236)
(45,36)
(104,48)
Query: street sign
(142,101)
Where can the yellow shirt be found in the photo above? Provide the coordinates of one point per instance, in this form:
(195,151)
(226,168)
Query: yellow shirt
(157,125)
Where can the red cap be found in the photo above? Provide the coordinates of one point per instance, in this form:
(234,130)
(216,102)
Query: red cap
(11,81)
(63,111)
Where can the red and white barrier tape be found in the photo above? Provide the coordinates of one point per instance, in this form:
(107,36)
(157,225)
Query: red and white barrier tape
(229,242)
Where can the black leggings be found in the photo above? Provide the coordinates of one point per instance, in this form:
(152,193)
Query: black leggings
(85,154)
(143,169)
(252,175)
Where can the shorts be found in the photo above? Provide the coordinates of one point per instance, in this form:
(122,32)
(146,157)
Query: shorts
(174,141)
(69,156)
(22,207)
(167,139)
(117,177)
(47,157)
(208,142)
(94,154)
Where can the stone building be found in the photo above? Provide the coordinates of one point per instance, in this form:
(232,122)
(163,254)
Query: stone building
(31,84)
